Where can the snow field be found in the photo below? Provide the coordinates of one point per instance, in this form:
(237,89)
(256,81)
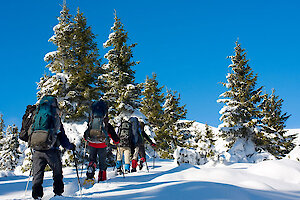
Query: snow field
(276,179)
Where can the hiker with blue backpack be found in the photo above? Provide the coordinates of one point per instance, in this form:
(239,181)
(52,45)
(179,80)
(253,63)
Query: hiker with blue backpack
(138,147)
(44,136)
(132,135)
(124,147)
(98,135)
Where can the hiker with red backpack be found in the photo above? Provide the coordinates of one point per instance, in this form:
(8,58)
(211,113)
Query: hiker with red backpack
(138,143)
(44,136)
(98,136)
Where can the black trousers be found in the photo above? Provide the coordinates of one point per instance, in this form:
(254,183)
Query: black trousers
(101,152)
(39,161)
(142,152)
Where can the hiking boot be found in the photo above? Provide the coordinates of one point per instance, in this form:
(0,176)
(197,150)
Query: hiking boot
(102,176)
(37,191)
(141,165)
(119,171)
(127,168)
(134,163)
(90,173)
(133,170)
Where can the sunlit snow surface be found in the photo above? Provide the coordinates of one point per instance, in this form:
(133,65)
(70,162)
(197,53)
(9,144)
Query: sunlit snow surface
(276,179)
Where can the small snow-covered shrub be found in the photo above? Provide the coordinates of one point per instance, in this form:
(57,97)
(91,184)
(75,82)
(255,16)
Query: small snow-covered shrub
(182,155)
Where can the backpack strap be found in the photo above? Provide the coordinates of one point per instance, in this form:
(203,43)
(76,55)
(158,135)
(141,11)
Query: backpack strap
(106,134)
(140,131)
(91,120)
(57,121)
(105,131)
(119,128)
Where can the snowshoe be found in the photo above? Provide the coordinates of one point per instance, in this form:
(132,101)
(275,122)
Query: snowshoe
(87,183)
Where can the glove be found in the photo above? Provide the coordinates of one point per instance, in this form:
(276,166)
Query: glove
(154,145)
(73,147)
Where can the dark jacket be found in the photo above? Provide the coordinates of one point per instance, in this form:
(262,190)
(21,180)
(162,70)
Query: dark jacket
(63,139)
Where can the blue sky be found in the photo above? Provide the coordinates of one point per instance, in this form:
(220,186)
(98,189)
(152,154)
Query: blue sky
(184,42)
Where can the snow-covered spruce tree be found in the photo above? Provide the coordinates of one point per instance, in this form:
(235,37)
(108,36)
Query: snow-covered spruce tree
(169,136)
(271,136)
(240,113)
(1,126)
(120,89)
(2,134)
(206,143)
(10,153)
(59,61)
(75,66)
(151,104)
(83,75)
(27,162)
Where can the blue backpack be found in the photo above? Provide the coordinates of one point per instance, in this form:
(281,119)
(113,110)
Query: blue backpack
(136,131)
(45,125)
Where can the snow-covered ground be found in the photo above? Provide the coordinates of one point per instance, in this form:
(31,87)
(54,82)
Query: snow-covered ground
(272,179)
(276,179)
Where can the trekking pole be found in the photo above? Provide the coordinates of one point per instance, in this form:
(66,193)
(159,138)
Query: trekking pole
(154,160)
(30,173)
(83,158)
(116,158)
(75,160)
(147,165)
(28,181)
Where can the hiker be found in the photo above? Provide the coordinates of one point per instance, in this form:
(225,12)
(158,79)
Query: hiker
(98,136)
(44,137)
(138,143)
(124,147)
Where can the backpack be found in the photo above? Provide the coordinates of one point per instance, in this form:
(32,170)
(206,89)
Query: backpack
(27,121)
(136,131)
(125,134)
(45,125)
(96,131)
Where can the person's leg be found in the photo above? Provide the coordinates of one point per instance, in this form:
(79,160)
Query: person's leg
(102,164)
(53,159)
(38,166)
(90,173)
(134,159)
(127,153)
(142,152)
(142,155)
(120,151)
